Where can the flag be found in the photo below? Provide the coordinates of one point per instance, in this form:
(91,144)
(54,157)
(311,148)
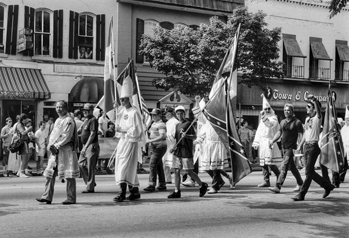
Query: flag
(219,112)
(332,150)
(106,103)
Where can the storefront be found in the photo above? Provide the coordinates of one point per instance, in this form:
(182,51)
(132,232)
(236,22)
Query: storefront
(21,90)
(294,91)
(175,99)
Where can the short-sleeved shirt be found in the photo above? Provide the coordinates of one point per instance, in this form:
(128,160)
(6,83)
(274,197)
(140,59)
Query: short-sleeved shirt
(6,130)
(290,130)
(312,128)
(155,130)
(185,147)
(90,125)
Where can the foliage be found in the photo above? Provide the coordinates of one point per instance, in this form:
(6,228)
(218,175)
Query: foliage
(190,59)
(336,6)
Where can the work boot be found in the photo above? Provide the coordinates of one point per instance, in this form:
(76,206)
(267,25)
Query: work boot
(122,193)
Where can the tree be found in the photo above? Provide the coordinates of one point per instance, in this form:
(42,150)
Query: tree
(189,58)
(336,6)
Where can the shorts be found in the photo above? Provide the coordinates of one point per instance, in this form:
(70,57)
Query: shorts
(183,164)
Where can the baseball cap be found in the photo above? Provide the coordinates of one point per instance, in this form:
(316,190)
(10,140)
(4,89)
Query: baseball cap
(179,108)
(155,111)
(87,107)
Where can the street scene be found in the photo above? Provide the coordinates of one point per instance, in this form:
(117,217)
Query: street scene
(172,118)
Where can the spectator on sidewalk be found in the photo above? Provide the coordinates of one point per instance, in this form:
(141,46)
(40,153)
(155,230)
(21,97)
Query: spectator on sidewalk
(6,137)
(40,148)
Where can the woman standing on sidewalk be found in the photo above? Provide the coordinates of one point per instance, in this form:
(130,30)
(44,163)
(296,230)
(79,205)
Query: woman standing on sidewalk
(22,132)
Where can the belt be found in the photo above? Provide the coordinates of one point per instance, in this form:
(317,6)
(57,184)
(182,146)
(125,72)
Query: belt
(313,142)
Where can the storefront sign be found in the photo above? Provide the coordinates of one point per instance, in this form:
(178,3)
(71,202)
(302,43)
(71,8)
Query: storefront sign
(297,97)
(16,95)
(79,69)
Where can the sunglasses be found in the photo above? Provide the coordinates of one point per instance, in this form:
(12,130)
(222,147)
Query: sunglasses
(267,109)
(122,99)
(308,106)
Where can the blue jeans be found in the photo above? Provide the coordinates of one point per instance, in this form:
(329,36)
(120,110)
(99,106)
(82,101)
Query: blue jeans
(155,165)
(288,163)
(311,152)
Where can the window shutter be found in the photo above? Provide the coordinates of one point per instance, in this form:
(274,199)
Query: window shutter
(12,29)
(139,34)
(100,37)
(167,25)
(73,35)
(29,24)
(58,34)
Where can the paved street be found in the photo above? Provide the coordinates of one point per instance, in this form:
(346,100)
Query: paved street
(246,211)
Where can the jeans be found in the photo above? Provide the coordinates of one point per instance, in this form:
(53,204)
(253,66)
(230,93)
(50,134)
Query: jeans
(288,163)
(266,174)
(155,164)
(87,165)
(311,152)
(217,180)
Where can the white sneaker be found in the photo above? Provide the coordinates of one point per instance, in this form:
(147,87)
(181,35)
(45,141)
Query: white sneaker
(23,175)
(188,183)
(232,184)
(212,190)
(297,188)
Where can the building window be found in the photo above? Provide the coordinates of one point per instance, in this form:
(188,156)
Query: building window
(43,32)
(85,37)
(149,26)
(2,29)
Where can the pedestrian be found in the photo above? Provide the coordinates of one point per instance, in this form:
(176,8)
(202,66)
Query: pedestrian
(245,137)
(110,133)
(311,149)
(6,137)
(130,133)
(22,132)
(14,159)
(267,128)
(170,141)
(40,148)
(63,161)
(290,132)
(90,149)
(183,154)
(31,146)
(157,143)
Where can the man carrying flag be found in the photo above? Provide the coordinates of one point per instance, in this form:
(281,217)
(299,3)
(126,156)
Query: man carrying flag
(219,112)
(311,149)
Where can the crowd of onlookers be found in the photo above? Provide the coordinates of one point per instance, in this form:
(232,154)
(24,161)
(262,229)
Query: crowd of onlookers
(16,164)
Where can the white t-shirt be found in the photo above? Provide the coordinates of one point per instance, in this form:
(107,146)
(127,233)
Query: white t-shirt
(40,136)
(104,122)
(312,128)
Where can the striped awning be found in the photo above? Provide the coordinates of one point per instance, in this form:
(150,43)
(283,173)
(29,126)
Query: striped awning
(21,83)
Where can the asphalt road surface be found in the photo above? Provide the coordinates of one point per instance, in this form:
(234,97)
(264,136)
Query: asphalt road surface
(246,211)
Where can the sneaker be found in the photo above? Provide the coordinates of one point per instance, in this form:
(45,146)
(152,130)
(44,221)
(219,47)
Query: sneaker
(150,188)
(328,191)
(274,189)
(161,188)
(297,188)
(23,175)
(203,189)
(264,184)
(298,197)
(188,183)
(212,190)
(175,194)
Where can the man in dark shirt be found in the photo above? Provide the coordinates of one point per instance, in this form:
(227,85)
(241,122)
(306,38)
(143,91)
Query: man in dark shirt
(183,154)
(291,130)
(90,150)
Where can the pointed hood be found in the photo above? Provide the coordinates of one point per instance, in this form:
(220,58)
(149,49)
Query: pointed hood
(126,88)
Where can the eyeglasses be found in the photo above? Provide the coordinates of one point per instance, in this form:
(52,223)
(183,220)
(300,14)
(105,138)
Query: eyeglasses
(267,109)
(308,106)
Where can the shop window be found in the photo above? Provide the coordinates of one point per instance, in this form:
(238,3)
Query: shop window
(319,60)
(86,36)
(2,29)
(342,61)
(10,21)
(43,32)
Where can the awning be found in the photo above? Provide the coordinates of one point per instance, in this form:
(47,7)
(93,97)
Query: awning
(292,48)
(319,51)
(23,83)
(343,52)
(88,89)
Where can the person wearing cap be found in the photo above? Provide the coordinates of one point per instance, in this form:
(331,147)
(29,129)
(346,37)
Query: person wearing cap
(90,149)
(63,161)
(268,157)
(310,141)
(291,132)
(170,141)
(130,135)
(183,154)
(157,142)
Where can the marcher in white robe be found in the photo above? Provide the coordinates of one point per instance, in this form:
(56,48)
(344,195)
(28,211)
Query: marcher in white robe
(267,128)
(130,133)
(345,139)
